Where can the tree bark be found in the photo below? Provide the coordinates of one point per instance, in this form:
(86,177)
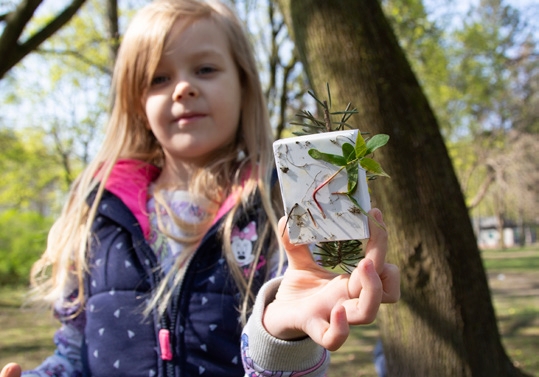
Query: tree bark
(444,325)
(113,31)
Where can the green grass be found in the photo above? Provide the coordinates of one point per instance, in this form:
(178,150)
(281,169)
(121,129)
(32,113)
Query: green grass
(355,357)
(26,334)
(514,281)
(515,260)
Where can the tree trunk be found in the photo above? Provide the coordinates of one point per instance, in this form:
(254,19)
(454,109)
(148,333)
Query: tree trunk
(444,324)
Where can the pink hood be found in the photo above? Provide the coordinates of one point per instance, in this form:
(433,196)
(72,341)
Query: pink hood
(129,181)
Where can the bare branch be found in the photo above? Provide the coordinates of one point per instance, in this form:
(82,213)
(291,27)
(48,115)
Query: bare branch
(77,55)
(16,21)
(482,191)
(10,45)
(287,69)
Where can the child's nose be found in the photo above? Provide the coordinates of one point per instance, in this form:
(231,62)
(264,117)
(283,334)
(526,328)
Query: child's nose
(184,89)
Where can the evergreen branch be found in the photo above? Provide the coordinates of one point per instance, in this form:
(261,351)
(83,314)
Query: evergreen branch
(343,254)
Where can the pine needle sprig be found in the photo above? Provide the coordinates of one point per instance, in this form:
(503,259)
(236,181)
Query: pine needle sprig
(312,125)
(340,254)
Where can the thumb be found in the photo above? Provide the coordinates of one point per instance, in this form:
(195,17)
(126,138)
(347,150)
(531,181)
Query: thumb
(11,370)
(299,256)
(376,248)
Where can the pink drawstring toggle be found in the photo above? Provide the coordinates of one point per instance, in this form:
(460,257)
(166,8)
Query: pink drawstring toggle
(164,344)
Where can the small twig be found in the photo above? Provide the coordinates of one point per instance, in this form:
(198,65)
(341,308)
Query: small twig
(288,217)
(327,118)
(322,185)
(312,218)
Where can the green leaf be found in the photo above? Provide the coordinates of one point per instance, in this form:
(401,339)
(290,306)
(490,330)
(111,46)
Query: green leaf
(372,166)
(361,147)
(348,152)
(352,170)
(376,142)
(352,167)
(331,158)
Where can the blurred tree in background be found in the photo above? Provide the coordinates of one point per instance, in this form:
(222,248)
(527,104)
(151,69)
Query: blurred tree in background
(444,324)
(477,63)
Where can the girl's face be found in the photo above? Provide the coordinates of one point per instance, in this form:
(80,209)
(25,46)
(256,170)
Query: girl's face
(193,103)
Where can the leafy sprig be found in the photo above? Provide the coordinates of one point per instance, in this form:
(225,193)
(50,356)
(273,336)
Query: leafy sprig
(345,254)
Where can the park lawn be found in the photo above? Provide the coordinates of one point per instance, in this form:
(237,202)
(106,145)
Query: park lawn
(514,281)
(26,334)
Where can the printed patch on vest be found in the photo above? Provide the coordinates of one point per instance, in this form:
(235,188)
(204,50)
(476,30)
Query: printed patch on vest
(243,247)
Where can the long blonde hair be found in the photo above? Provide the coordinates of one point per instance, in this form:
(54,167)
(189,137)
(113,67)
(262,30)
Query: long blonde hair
(63,264)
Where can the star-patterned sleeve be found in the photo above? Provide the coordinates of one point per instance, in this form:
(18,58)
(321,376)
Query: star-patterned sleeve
(66,360)
(265,355)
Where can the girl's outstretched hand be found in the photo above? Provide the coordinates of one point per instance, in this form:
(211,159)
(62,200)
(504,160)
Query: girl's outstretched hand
(11,370)
(312,301)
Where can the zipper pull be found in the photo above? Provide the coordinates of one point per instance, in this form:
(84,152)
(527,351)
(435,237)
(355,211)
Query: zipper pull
(164,344)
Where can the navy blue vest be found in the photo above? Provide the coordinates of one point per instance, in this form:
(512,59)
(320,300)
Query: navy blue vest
(202,319)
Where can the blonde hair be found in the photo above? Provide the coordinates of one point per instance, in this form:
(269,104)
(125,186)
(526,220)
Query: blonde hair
(127,136)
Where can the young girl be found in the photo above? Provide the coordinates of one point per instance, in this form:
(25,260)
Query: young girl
(169,234)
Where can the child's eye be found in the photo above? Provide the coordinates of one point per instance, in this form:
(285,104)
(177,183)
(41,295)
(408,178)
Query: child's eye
(204,70)
(159,80)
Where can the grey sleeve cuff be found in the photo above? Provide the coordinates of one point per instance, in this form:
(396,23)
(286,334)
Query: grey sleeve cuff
(266,352)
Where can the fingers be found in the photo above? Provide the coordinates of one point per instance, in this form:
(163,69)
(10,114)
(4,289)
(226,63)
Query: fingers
(299,256)
(355,311)
(363,307)
(375,251)
(330,335)
(11,370)
(376,248)
(390,278)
